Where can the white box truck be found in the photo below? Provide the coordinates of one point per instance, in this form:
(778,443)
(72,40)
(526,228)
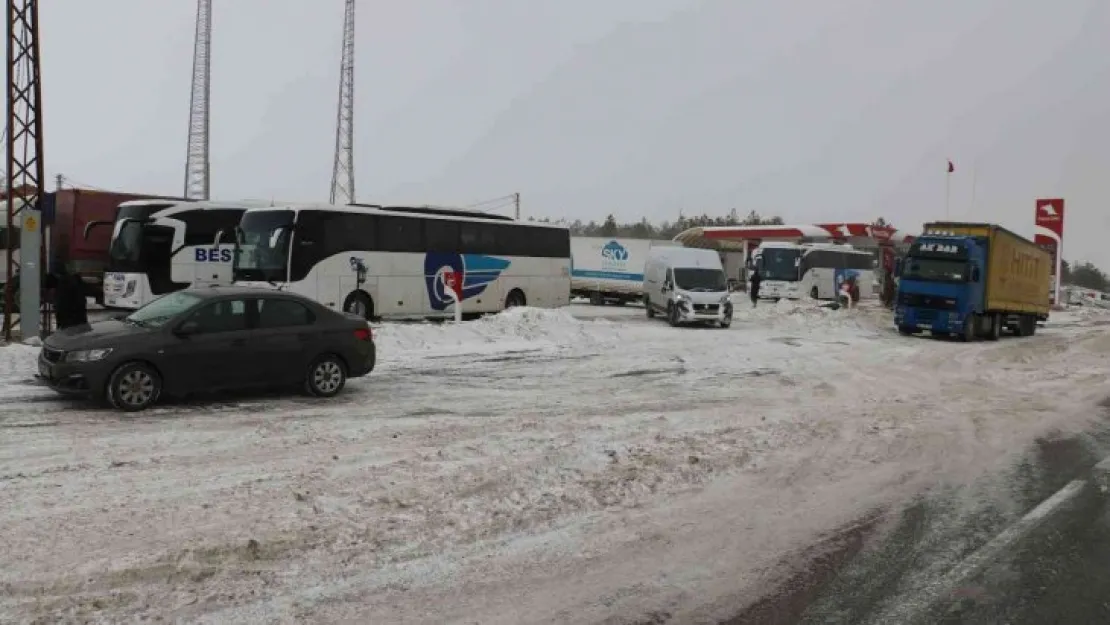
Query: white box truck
(606,269)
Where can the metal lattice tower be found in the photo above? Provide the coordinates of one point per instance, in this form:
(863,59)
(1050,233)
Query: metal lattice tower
(343,168)
(196,158)
(23,139)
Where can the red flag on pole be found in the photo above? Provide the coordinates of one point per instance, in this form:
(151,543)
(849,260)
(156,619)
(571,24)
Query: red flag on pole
(951,167)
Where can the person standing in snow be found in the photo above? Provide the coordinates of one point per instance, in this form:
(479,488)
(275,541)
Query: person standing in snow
(753,286)
(69,298)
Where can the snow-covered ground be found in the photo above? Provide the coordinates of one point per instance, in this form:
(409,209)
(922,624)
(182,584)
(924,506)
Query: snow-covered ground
(536,466)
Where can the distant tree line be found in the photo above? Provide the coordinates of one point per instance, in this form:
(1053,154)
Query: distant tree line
(1085,275)
(645,229)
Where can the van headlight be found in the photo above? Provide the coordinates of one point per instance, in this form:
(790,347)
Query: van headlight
(88,355)
(725,299)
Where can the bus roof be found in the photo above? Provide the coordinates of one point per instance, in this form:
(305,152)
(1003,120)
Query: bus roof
(424,211)
(201,205)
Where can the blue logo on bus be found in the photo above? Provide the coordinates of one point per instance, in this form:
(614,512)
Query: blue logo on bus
(475,271)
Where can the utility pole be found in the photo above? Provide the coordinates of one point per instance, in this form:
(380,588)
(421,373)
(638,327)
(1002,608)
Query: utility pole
(343,164)
(516,205)
(25,170)
(196,153)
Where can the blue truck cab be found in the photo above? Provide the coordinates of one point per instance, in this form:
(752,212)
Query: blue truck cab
(972,280)
(941,285)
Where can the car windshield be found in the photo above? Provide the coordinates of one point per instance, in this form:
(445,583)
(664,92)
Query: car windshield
(264,247)
(161,310)
(779,264)
(935,270)
(694,279)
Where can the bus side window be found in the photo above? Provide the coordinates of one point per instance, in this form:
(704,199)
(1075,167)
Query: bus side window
(441,235)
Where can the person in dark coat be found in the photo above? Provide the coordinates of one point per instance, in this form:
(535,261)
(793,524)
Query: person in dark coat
(753,286)
(69,298)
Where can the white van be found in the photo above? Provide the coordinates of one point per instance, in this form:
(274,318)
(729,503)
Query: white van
(687,285)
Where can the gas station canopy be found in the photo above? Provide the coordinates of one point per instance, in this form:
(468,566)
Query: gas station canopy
(739,238)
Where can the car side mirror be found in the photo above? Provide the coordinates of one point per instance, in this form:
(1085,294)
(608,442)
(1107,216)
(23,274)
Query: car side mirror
(186,329)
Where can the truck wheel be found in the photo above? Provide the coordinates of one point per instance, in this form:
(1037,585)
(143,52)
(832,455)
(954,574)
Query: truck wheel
(996,327)
(596,299)
(648,308)
(969,333)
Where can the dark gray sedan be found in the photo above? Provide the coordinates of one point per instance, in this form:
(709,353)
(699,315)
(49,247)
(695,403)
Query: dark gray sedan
(208,339)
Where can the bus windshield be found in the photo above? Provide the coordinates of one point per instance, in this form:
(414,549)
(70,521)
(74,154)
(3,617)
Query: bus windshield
(779,264)
(695,279)
(264,247)
(935,270)
(127,243)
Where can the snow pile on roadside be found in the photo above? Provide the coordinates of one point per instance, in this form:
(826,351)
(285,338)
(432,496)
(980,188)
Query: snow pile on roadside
(811,315)
(17,368)
(517,328)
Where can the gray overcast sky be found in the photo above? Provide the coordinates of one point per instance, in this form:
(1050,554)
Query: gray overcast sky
(815,110)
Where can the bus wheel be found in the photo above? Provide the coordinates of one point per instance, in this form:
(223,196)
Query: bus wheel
(813,293)
(359,303)
(515,298)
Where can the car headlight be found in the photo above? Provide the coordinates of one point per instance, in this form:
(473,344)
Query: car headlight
(88,355)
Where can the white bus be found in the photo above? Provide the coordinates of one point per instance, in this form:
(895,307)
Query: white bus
(161,246)
(399,261)
(816,270)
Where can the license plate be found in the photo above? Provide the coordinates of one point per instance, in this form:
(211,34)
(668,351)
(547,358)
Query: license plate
(44,369)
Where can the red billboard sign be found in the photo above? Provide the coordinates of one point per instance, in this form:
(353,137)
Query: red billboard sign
(1049,234)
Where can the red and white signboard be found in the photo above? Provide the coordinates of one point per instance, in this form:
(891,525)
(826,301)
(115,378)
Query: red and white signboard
(451,281)
(1049,235)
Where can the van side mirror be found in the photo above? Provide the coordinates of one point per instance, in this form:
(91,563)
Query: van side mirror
(187,329)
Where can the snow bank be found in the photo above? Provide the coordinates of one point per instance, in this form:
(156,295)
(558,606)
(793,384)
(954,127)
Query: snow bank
(521,328)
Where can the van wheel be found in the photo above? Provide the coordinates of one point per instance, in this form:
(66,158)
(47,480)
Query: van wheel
(326,376)
(359,303)
(648,308)
(813,293)
(134,386)
(673,315)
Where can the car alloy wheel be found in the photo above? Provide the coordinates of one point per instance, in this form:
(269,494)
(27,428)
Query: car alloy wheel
(134,387)
(326,377)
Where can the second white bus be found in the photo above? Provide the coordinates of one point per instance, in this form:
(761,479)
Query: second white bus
(382,262)
(161,246)
(815,270)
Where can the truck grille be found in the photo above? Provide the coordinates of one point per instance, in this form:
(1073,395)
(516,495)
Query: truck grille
(52,355)
(934,302)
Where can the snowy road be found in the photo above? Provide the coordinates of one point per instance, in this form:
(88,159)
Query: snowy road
(529,467)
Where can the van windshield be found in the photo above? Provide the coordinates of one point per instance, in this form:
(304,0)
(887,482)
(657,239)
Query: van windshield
(693,279)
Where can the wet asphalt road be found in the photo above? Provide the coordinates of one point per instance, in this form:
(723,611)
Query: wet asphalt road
(876,573)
